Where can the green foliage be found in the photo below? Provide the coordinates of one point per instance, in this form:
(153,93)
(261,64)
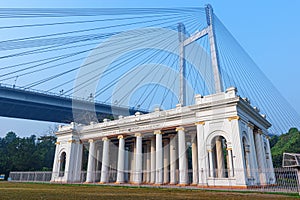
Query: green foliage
(26,154)
(289,143)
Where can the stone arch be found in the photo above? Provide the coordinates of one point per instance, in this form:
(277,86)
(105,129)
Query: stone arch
(217,133)
(217,142)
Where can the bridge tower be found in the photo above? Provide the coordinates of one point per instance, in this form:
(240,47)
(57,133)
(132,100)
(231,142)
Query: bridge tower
(210,32)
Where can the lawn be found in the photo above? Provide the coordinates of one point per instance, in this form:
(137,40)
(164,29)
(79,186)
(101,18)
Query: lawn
(10,190)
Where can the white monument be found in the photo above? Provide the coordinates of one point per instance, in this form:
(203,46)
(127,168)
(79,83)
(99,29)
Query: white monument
(222,134)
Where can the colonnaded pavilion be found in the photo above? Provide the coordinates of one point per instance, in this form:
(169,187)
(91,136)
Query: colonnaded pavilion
(228,139)
(219,140)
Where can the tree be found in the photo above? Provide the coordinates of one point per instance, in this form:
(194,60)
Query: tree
(26,154)
(289,143)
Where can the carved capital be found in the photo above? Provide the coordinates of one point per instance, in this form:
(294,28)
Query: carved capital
(72,141)
(179,129)
(233,118)
(138,135)
(91,140)
(157,132)
(120,137)
(200,123)
(104,139)
(57,143)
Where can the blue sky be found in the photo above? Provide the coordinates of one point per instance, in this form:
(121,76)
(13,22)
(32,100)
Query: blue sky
(268,30)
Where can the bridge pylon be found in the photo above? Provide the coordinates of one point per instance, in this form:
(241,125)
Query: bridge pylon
(210,32)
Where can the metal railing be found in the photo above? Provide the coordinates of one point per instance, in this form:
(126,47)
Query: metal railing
(286,179)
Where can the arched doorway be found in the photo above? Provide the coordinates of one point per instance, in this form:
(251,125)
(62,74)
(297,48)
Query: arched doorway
(220,163)
(62,165)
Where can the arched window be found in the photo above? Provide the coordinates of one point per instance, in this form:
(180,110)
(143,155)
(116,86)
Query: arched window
(62,165)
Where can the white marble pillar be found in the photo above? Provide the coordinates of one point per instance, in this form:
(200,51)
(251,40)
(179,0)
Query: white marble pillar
(98,162)
(105,161)
(247,159)
(203,161)
(132,163)
(144,163)
(166,151)
(230,163)
(270,164)
(153,160)
(138,159)
(126,176)
(211,163)
(183,168)
(159,158)
(90,176)
(56,163)
(173,158)
(148,163)
(220,157)
(194,159)
(121,160)
(260,157)
(253,157)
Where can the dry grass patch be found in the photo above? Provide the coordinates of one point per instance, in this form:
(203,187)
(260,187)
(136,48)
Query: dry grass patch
(34,191)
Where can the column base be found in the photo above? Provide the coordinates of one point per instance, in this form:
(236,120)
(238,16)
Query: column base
(87,182)
(194,184)
(134,183)
(101,183)
(119,183)
(182,184)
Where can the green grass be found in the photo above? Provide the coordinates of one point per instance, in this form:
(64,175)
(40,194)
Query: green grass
(9,190)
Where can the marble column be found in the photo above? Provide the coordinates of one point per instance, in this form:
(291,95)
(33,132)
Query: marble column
(105,161)
(247,159)
(211,163)
(138,159)
(220,157)
(98,162)
(56,163)
(253,156)
(270,164)
(148,163)
(144,163)
(153,160)
(132,163)
(159,158)
(183,168)
(260,156)
(126,167)
(230,162)
(203,162)
(173,158)
(166,161)
(194,160)
(90,176)
(121,160)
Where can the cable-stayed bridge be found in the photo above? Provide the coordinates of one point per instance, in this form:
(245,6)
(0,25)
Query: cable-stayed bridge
(128,59)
